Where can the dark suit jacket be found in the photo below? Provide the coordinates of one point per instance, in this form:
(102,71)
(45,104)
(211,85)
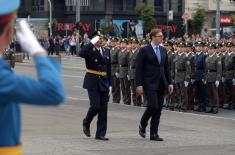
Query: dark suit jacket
(149,72)
(95,61)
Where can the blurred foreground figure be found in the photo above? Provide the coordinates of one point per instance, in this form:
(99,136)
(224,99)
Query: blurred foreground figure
(47,90)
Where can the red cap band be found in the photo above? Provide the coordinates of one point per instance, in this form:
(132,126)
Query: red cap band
(7,18)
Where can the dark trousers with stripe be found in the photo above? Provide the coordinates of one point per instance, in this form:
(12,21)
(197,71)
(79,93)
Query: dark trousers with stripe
(98,106)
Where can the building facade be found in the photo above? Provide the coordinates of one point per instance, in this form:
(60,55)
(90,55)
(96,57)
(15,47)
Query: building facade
(100,14)
(227,9)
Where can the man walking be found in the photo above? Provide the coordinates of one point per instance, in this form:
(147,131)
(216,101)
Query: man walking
(153,78)
(97,81)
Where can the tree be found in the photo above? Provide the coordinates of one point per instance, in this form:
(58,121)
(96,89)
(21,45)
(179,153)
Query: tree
(233,17)
(146,13)
(198,20)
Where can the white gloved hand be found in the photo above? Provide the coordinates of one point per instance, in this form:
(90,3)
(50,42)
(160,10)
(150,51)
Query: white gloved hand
(110,91)
(117,75)
(28,41)
(223,79)
(95,40)
(128,77)
(233,82)
(217,83)
(192,81)
(204,81)
(186,83)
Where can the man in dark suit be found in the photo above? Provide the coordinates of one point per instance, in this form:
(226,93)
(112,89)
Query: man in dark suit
(152,78)
(98,83)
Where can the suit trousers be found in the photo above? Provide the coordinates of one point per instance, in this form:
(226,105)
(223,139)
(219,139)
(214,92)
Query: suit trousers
(98,105)
(116,92)
(155,101)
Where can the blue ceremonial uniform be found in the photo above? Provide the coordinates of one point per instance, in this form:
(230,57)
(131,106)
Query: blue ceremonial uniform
(97,62)
(198,76)
(47,90)
(97,81)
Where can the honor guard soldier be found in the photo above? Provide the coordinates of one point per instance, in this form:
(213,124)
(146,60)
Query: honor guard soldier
(46,90)
(182,72)
(213,76)
(191,87)
(136,98)
(97,81)
(229,75)
(123,71)
(116,92)
(222,53)
(171,54)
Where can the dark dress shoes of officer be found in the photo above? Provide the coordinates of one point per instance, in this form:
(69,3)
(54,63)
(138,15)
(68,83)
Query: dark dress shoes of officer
(102,138)
(142,131)
(156,138)
(210,110)
(86,131)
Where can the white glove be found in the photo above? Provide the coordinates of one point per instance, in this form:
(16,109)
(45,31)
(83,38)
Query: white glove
(186,83)
(204,81)
(117,75)
(110,90)
(217,83)
(233,82)
(223,79)
(128,77)
(28,41)
(95,40)
(192,81)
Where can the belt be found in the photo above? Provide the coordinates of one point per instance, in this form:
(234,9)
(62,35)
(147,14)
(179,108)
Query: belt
(11,150)
(96,72)
(123,65)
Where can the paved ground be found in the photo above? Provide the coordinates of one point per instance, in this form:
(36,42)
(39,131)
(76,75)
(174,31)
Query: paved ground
(58,131)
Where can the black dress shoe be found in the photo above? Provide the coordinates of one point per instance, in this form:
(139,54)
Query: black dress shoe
(215,111)
(209,111)
(102,138)
(86,131)
(156,138)
(142,131)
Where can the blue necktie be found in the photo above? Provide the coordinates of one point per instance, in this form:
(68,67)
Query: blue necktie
(158,54)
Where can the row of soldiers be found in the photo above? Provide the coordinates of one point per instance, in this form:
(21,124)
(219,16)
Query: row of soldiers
(203,74)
